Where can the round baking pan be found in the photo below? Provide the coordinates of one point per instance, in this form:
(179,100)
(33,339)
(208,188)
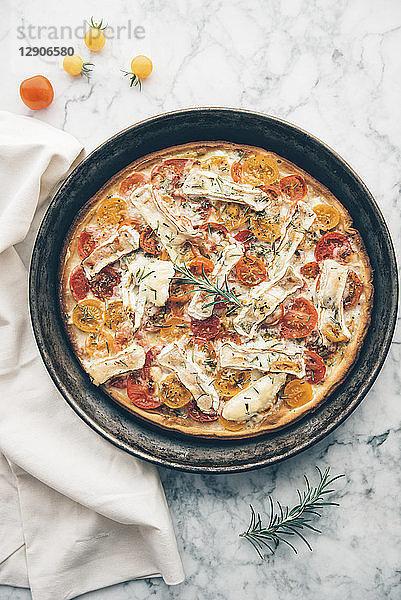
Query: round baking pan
(118,425)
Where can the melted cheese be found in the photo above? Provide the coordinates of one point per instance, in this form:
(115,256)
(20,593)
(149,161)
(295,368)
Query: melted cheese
(263,300)
(124,241)
(329,300)
(206,184)
(173,358)
(171,232)
(230,255)
(129,359)
(268,359)
(298,225)
(259,396)
(147,280)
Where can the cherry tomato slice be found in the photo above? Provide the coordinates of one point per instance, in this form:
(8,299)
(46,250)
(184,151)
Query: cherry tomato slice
(236,172)
(99,344)
(206,329)
(201,264)
(244,236)
(198,415)
(119,382)
(111,212)
(103,283)
(250,270)
(294,187)
(297,393)
(115,315)
(168,174)
(315,367)
(259,170)
(131,182)
(86,242)
(88,315)
(299,319)
(353,290)
(333,244)
(218,164)
(173,392)
(140,393)
(79,284)
(234,215)
(173,328)
(264,227)
(310,270)
(229,382)
(149,242)
(327,216)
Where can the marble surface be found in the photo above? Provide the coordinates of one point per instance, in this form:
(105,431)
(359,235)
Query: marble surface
(333,68)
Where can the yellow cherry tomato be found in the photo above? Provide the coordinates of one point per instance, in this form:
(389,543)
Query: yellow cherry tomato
(88,315)
(264,227)
(231,425)
(218,164)
(234,215)
(99,343)
(74,65)
(327,216)
(111,212)
(115,315)
(173,393)
(259,170)
(173,328)
(229,382)
(333,332)
(94,37)
(141,66)
(297,393)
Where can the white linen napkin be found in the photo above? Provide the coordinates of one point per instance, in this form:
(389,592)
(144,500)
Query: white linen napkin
(76,513)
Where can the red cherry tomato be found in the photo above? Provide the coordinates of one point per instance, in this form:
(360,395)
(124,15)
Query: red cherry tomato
(102,285)
(79,284)
(140,392)
(206,329)
(36,92)
(130,183)
(119,382)
(294,187)
(353,290)
(236,172)
(244,237)
(86,242)
(250,270)
(315,367)
(149,243)
(310,270)
(333,244)
(198,415)
(299,319)
(168,174)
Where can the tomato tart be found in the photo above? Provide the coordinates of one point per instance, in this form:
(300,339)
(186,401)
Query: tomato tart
(216,290)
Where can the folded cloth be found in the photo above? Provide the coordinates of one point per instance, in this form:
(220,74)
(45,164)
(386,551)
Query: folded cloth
(76,513)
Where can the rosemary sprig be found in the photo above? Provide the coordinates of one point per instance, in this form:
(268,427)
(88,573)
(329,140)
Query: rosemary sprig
(204,284)
(285,522)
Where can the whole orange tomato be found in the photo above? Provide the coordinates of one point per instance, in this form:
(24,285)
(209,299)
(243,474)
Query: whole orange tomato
(36,92)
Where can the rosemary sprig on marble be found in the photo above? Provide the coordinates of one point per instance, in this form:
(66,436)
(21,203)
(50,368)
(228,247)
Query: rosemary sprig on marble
(204,284)
(284,522)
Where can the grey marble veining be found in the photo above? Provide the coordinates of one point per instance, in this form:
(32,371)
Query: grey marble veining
(332,68)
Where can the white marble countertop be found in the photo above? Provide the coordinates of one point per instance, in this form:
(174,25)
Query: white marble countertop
(333,68)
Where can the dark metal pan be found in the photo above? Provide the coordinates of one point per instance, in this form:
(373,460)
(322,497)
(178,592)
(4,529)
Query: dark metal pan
(121,427)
